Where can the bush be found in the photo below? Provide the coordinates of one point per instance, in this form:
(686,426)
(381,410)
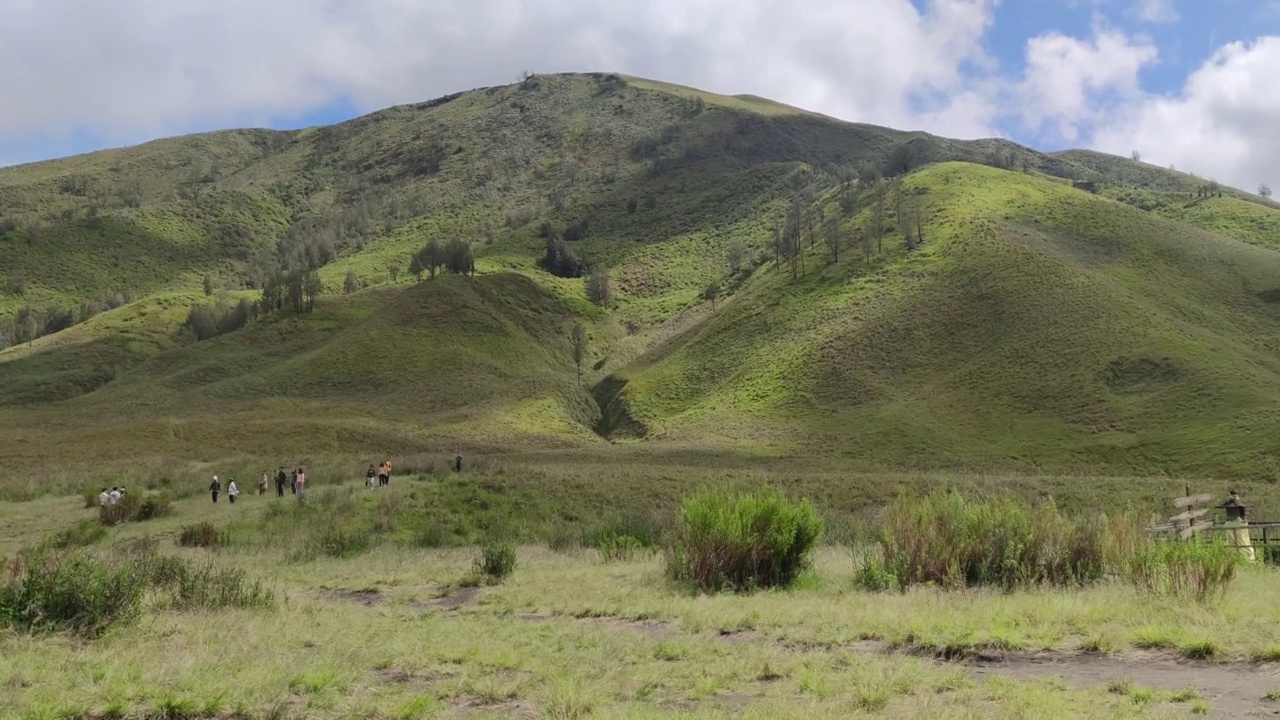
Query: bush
(340,542)
(944,539)
(203,535)
(134,507)
(54,590)
(1190,570)
(620,548)
(743,542)
(86,532)
(497,560)
(50,590)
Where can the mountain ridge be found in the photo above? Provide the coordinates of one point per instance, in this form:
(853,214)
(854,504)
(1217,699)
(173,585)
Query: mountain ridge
(783,284)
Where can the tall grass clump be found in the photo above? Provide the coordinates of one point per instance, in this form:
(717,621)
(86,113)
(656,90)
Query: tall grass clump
(497,560)
(51,590)
(1190,570)
(742,542)
(84,593)
(204,535)
(952,542)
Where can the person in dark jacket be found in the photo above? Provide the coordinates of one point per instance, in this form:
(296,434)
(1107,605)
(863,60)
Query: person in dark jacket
(215,487)
(281,478)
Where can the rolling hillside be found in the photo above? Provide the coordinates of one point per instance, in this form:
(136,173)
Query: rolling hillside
(1067,311)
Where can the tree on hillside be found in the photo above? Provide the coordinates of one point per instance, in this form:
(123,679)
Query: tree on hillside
(831,237)
(736,254)
(208,285)
(559,260)
(849,200)
(458,258)
(877,217)
(416,268)
(26,326)
(311,288)
(917,222)
(578,337)
(433,256)
(1135,156)
(712,292)
(1264,190)
(351,284)
(793,237)
(599,289)
(393,270)
(273,292)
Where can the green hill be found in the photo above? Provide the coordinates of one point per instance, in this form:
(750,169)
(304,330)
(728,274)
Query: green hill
(1067,311)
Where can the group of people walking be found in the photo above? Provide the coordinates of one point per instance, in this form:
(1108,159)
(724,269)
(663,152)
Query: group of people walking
(297,485)
(296,480)
(383,475)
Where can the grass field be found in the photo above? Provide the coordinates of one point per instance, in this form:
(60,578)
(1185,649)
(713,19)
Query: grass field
(394,629)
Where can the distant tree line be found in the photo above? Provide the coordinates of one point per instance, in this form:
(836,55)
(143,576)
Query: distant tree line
(454,256)
(29,323)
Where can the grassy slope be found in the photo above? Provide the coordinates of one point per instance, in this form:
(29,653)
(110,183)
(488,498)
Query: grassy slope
(990,347)
(1039,327)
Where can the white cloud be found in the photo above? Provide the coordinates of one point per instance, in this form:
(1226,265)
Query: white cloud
(1070,82)
(1154,11)
(130,69)
(1222,124)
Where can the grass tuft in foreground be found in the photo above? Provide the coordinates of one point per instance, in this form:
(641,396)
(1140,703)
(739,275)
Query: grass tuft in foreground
(743,542)
(951,541)
(50,590)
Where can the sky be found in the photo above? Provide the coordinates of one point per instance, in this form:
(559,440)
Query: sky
(1187,83)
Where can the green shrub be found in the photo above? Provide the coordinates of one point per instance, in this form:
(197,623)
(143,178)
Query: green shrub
(153,506)
(83,593)
(953,542)
(340,542)
(1190,570)
(85,532)
(134,507)
(497,559)
(743,542)
(647,529)
(204,535)
(620,548)
(52,590)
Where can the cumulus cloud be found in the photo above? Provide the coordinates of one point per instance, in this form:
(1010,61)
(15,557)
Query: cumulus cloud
(138,68)
(1221,124)
(1069,81)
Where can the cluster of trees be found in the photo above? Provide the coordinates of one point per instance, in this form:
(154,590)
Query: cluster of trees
(1264,190)
(210,321)
(30,323)
(560,260)
(296,289)
(455,256)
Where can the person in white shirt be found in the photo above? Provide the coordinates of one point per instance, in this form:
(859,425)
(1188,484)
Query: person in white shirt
(115,495)
(104,498)
(232,491)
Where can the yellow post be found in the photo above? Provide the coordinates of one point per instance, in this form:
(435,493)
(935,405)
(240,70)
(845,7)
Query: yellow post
(1239,533)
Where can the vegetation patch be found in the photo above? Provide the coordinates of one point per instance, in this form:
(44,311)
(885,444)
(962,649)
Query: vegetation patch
(742,542)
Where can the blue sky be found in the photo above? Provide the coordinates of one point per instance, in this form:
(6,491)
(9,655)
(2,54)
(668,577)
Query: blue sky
(1108,74)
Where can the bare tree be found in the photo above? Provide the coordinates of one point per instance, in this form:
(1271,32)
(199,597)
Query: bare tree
(1135,156)
(877,218)
(578,336)
(831,236)
(351,284)
(599,289)
(393,270)
(1264,190)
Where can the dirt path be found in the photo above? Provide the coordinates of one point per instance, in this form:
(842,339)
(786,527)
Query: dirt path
(1232,689)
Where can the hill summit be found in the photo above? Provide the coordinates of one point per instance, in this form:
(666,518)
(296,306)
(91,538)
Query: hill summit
(748,278)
